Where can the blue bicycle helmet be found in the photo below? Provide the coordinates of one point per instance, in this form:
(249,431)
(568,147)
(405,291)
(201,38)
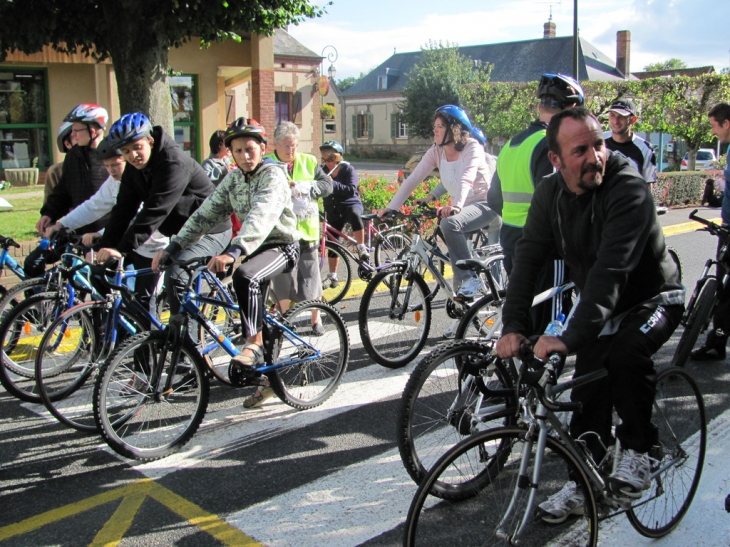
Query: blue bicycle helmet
(129,128)
(479,135)
(105,151)
(455,114)
(64,132)
(334,145)
(564,90)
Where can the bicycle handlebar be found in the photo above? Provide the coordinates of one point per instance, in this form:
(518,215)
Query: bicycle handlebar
(712,227)
(543,375)
(6,242)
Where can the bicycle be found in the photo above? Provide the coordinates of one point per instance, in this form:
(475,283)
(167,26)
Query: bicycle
(701,305)
(387,245)
(395,311)
(502,475)
(152,393)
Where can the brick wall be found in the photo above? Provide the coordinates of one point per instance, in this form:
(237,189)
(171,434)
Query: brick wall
(262,99)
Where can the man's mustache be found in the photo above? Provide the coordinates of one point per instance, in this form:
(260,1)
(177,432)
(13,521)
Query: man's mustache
(593,168)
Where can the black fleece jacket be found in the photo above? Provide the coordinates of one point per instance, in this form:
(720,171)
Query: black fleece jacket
(611,240)
(170,187)
(83,175)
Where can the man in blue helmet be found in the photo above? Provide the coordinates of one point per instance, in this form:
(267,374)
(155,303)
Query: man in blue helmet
(163,187)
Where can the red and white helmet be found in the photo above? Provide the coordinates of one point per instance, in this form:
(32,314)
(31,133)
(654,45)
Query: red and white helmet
(63,133)
(88,113)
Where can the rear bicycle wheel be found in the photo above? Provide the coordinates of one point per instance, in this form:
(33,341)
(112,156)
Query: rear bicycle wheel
(390,247)
(455,391)
(697,320)
(487,466)
(674,255)
(334,291)
(395,317)
(69,357)
(139,420)
(20,334)
(319,360)
(679,413)
(483,320)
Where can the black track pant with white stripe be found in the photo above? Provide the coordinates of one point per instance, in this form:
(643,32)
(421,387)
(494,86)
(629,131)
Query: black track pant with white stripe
(252,277)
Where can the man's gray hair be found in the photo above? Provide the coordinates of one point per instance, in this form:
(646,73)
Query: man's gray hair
(284,130)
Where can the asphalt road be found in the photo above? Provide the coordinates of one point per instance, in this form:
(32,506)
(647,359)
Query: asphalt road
(273,476)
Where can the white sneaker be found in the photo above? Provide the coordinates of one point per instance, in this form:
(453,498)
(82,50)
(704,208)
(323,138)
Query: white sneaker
(470,288)
(451,331)
(558,507)
(330,282)
(632,474)
(363,252)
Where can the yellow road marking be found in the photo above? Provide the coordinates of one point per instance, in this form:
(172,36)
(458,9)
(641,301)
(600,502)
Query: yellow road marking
(132,496)
(685,227)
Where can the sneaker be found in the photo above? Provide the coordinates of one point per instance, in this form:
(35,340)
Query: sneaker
(318,328)
(363,252)
(470,288)
(559,506)
(631,475)
(330,282)
(451,331)
(254,401)
(708,352)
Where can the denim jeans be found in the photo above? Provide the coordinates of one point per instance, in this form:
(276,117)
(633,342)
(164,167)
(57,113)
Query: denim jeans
(472,217)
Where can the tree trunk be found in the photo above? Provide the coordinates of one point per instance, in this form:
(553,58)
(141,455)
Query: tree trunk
(140,56)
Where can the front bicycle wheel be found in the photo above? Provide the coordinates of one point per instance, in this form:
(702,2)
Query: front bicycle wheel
(334,290)
(483,320)
(390,247)
(679,413)
(698,317)
(488,466)
(139,417)
(20,334)
(313,364)
(70,355)
(456,390)
(395,317)
(226,320)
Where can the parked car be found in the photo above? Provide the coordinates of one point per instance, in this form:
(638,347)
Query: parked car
(410,165)
(705,158)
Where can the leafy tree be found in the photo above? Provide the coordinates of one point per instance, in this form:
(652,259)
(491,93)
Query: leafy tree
(669,64)
(501,109)
(725,70)
(438,78)
(137,35)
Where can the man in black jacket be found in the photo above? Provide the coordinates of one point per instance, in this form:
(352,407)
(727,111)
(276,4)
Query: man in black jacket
(160,193)
(598,214)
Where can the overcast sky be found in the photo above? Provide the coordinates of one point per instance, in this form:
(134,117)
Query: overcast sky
(366,32)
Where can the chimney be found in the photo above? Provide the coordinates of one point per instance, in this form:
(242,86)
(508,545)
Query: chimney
(623,53)
(549,30)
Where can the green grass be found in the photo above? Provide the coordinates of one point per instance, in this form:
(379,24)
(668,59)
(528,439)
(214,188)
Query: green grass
(21,190)
(19,222)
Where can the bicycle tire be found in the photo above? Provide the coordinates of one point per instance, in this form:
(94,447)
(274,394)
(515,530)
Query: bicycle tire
(439,401)
(332,295)
(25,325)
(394,341)
(69,358)
(698,317)
(228,321)
(423,271)
(135,420)
(488,465)
(17,293)
(390,247)
(307,384)
(674,255)
(679,413)
(483,320)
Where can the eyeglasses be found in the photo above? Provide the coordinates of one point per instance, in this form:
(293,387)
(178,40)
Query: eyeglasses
(328,158)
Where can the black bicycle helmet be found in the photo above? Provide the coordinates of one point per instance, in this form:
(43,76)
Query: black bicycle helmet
(455,114)
(105,151)
(129,128)
(334,145)
(88,113)
(64,132)
(245,127)
(563,89)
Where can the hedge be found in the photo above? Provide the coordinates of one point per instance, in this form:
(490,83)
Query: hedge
(680,188)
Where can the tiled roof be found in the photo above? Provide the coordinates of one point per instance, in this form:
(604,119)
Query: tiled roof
(285,44)
(522,61)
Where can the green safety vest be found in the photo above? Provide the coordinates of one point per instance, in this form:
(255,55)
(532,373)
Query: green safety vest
(513,168)
(305,168)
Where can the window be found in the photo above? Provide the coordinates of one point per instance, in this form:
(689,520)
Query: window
(362,126)
(184,97)
(24,124)
(282,105)
(382,82)
(398,126)
(330,125)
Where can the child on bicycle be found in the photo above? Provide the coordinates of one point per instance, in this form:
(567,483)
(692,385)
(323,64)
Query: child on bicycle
(258,192)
